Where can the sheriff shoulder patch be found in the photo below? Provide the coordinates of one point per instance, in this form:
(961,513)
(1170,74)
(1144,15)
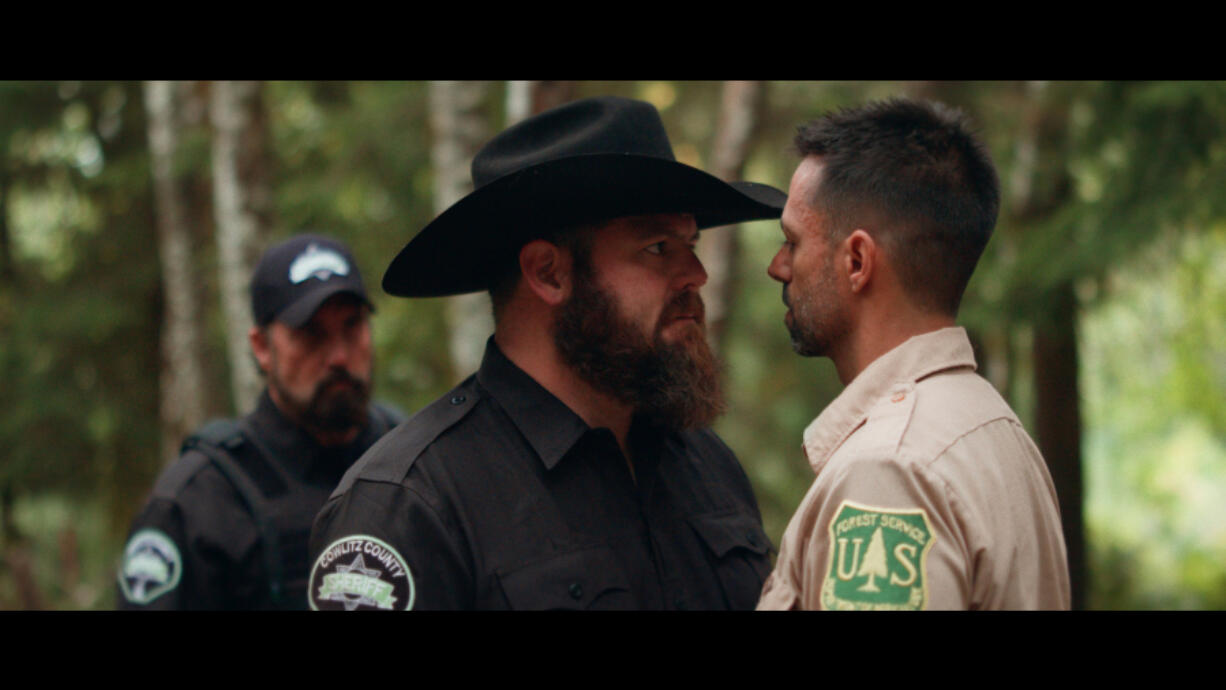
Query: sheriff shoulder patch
(151,566)
(360,573)
(878,559)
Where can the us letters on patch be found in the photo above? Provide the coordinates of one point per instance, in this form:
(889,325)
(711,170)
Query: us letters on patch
(878,559)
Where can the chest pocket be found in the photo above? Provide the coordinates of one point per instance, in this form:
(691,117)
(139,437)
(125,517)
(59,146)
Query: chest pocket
(577,580)
(738,548)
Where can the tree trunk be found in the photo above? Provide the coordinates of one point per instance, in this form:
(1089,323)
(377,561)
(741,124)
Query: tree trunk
(182,402)
(1058,422)
(243,208)
(7,271)
(20,561)
(1054,354)
(460,129)
(719,251)
(525,98)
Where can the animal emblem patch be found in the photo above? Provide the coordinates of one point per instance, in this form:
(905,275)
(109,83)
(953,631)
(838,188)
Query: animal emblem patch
(878,559)
(151,566)
(360,573)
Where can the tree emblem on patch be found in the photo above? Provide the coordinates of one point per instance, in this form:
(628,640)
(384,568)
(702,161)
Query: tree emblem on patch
(878,559)
(360,572)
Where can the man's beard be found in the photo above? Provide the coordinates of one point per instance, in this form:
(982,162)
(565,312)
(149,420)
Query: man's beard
(673,385)
(818,321)
(329,410)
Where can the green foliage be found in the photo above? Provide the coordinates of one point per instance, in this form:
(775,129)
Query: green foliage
(1115,168)
(71,549)
(1156,445)
(79,318)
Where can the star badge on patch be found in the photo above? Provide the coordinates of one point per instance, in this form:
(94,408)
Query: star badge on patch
(361,573)
(878,559)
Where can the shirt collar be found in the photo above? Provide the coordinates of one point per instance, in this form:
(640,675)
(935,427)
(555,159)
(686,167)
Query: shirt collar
(917,358)
(549,426)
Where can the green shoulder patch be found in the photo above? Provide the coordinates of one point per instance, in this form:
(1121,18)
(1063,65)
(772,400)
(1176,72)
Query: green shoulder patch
(878,559)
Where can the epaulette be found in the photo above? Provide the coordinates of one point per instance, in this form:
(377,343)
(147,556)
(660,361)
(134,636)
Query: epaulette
(385,416)
(178,473)
(890,417)
(391,457)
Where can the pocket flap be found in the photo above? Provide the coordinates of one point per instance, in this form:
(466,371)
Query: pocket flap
(728,531)
(573,580)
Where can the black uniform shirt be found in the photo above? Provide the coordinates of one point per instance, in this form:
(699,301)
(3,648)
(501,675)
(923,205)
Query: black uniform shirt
(196,545)
(498,496)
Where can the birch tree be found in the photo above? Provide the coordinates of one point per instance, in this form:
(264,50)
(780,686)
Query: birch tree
(242,203)
(459,128)
(182,405)
(525,98)
(740,105)
(7,274)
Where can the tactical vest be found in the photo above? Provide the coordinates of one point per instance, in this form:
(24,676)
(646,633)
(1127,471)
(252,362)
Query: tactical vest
(282,508)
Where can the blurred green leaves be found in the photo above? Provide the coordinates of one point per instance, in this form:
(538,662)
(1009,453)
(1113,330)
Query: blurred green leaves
(1132,174)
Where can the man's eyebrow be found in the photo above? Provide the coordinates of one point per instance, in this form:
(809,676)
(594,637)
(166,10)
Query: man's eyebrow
(657,229)
(787,232)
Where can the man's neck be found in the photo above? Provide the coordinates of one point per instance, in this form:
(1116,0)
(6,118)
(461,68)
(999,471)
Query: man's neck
(538,358)
(877,334)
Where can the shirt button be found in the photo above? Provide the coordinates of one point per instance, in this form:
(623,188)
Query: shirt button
(753,539)
(576,590)
(458,399)
(899,397)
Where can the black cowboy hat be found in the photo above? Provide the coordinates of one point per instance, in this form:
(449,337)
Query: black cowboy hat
(586,161)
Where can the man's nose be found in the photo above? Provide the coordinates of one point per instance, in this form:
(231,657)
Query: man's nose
(778,268)
(692,274)
(338,352)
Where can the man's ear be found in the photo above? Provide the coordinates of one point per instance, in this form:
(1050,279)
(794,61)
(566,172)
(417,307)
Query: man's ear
(261,349)
(861,260)
(546,270)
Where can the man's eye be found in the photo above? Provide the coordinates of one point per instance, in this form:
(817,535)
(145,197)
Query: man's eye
(657,248)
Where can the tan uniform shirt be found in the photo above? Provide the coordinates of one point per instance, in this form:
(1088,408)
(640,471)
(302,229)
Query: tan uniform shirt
(929,495)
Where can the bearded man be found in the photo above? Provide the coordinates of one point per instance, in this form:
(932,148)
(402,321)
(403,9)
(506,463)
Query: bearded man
(574,470)
(227,524)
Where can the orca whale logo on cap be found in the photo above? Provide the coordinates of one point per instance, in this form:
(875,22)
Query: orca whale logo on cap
(317,263)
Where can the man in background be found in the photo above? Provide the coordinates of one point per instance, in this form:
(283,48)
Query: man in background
(227,524)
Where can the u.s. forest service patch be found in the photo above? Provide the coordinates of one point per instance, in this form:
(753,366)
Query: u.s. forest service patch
(878,559)
(360,573)
(151,566)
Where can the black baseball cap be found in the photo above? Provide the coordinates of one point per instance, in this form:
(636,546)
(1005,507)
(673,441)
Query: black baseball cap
(296,276)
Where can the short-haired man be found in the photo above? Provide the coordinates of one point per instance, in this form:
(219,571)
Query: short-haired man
(574,469)
(228,522)
(929,493)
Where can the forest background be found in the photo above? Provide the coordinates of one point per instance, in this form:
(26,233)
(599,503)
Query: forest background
(131,214)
